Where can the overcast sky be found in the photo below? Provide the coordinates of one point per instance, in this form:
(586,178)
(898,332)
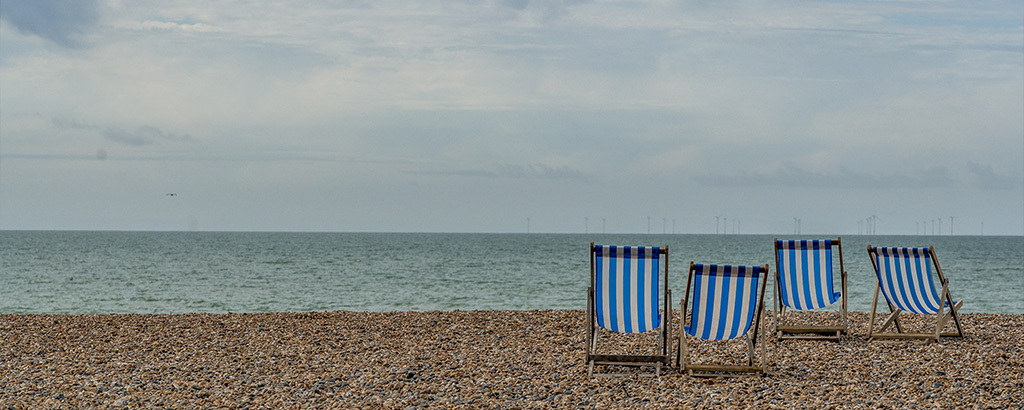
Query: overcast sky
(487,116)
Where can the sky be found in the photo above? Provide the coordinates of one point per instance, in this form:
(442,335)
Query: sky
(560,116)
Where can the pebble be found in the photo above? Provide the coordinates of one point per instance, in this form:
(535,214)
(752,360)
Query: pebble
(479,359)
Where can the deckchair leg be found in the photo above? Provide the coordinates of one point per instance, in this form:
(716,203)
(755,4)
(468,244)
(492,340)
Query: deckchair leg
(871,321)
(679,341)
(892,319)
(842,306)
(778,310)
(940,319)
(686,351)
(592,329)
(750,350)
(956,318)
(764,356)
(667,351)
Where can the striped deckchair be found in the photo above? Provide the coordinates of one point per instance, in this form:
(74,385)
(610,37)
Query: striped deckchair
(804,281)
(905,279)
(725,304)
(624,297)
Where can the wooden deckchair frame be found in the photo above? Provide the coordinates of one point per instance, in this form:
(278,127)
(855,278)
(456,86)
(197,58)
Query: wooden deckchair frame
(750,368)
(662,355)
(942,317)
(812,332)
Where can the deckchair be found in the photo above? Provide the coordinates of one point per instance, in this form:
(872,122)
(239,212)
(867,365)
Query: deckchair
(623,297)
(804,282)
(726,304)
(905,279)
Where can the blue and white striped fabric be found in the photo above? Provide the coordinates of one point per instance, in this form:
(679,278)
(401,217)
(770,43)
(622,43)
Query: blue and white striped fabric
(805,274)
(724,301)
(626,288)
(905,276)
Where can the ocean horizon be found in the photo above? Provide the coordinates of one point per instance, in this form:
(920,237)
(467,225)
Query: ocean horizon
(97,272)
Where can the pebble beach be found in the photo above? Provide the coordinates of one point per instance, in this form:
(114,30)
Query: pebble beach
(476,359)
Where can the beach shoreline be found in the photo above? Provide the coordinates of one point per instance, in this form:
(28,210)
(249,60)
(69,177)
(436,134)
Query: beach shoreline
(490,359)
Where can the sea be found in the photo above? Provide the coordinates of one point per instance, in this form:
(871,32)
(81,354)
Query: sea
(85,272)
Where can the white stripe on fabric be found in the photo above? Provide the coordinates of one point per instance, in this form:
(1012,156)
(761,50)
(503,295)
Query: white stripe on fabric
(817,268)
(643,288)
(700,303)
(745,310)
(740,295)
(884,262)
(620,265)
(798,279)
(634,304)
(730,302)
(914,295)
(900,264)
(906,267)
(789,272)
(892,268)
(912,285)
(783,269)
(927,285)
(823,285)
(620,301)
(605,289)
(752,284)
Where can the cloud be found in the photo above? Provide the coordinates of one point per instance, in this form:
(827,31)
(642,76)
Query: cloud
(792,176)
(986,177)
(73,124)
(512,171)
(151,25)
(60,21)
(144,135)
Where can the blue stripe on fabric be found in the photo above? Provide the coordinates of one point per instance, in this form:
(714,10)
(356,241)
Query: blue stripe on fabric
(890,268)
(816,285)
(739,281)
(724,311)
(641,274)
(696,311)
(742,321)
(832,295)
(880,268)
(626,286)
(925,284)
(737,305)
(599,298)
(896,280)
(709,306)
(806,274)
(753,286)
(816,273)
(916,290)
(927,272)
(613,286)
(901,264)
(627,291)
(794,290)
(655,297)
